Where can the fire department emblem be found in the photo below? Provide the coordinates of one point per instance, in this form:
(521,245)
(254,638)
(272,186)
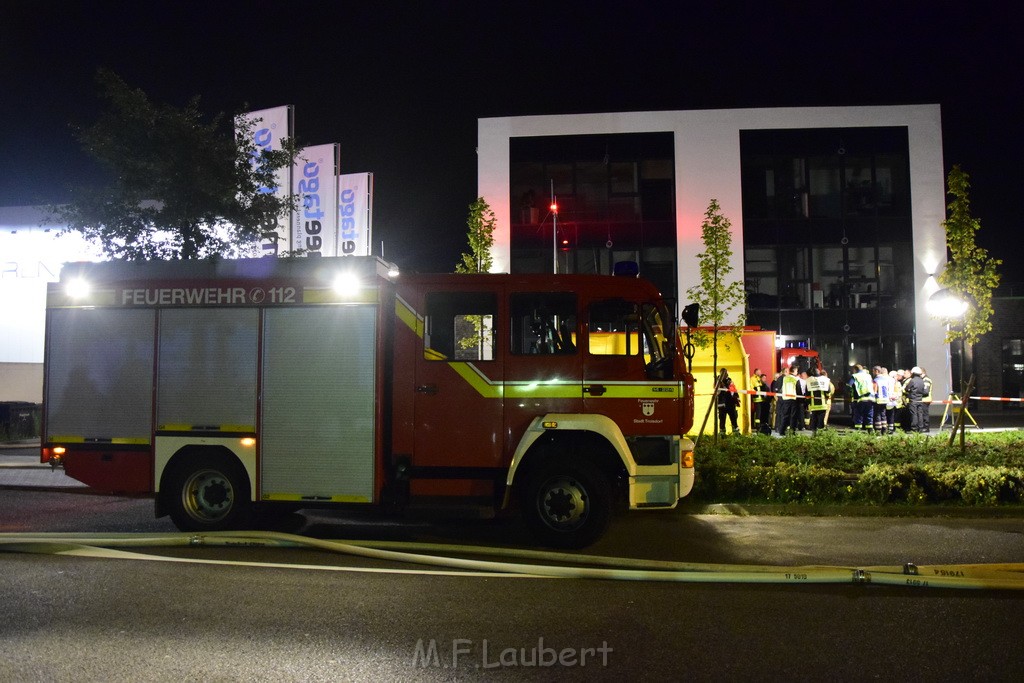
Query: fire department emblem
(648,407)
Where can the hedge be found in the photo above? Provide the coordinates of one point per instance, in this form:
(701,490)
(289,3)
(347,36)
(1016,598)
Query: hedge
(852,468)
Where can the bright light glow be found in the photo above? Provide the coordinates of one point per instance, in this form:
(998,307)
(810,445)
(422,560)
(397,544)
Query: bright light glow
(946,304)
(554,207)
(347,284)
(78,288)
(393,272)
(248,442)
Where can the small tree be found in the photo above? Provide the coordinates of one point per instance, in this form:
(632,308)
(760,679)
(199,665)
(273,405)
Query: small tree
(179,187)
(971,273)
(481,223)
(716,296)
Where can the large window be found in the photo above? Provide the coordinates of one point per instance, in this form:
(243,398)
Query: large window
(460,326)
(828,238)
(615,197)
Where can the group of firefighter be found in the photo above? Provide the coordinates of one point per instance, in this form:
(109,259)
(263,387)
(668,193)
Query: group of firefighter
(798,399)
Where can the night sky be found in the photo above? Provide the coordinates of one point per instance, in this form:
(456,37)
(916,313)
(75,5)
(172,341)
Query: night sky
(400,85)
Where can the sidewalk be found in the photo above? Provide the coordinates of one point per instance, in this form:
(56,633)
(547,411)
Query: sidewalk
(20,468)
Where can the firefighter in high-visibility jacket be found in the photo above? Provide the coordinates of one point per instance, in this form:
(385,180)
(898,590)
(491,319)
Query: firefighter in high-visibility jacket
(895,401)
(882,387)
(817,388)
(861,386)
(788,402)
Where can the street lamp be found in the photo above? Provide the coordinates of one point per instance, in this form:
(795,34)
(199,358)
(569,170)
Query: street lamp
(949,306)
(946,304)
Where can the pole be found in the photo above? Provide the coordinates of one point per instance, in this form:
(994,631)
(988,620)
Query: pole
(554,230)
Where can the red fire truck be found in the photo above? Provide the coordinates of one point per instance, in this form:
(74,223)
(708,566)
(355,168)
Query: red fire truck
(220,387)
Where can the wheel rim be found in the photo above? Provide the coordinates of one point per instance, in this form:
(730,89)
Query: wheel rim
(208,496)
(563,503)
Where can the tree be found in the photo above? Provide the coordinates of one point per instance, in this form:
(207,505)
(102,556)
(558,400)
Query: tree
(715,295)
(481,223)
(970,273)
(178,187)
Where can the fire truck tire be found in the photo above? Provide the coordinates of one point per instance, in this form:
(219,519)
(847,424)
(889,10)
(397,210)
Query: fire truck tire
(211,494)
(567,502)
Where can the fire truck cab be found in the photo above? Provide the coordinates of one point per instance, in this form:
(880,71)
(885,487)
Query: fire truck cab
(295,383)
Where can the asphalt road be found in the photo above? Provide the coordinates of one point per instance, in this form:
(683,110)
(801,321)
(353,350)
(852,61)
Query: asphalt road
(79,618)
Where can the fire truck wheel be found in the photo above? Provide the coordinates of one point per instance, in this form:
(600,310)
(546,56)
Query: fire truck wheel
(567,502)
(208,495)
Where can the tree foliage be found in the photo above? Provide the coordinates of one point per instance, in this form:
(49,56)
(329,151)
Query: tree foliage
(971,272)
(481,223)
(175,186)
(716,295)
(480,234)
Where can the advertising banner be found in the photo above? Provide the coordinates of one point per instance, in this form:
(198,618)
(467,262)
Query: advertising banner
(315,176)
(269,127)
(355,214)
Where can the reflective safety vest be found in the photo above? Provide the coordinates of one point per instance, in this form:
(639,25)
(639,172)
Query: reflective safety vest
(896,397)
(755,384)
(817,386)
(883,389)
(862,386)
(927,390)
(789,387)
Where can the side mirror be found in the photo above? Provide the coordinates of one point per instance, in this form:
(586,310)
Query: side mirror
(691,315)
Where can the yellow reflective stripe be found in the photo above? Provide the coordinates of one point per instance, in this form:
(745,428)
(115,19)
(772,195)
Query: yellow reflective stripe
(635,390)
(327,499)
(328,295)
(476,379)
(133,440)
(552,389)
(408,316)
(174,427)
(57,297)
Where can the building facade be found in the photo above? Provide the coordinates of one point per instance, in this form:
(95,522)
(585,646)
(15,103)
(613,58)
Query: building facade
(836,213)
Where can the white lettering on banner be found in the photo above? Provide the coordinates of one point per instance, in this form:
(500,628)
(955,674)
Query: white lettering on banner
(349,231)
(312,214)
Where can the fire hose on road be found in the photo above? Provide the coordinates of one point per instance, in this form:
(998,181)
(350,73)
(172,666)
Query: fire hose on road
(514,563)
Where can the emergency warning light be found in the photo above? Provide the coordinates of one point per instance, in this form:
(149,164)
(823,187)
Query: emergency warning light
(626,269)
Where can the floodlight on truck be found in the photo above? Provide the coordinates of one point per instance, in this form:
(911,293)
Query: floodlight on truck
(347,284)
(78,288)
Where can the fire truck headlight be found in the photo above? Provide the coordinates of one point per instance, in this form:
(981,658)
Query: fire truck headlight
(78,288)
(347,284)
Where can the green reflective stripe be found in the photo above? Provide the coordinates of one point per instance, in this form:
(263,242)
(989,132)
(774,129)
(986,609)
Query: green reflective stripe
(408,316)
(635,390)
(552,389)
(476,379)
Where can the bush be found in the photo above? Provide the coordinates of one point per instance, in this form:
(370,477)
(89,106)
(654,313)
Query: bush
(862,468)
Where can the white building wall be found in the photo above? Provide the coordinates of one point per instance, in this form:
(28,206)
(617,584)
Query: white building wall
(32,253)
(707,150)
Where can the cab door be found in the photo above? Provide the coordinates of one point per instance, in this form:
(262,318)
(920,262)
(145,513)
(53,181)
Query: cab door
(543,365)
(457,404)
(623,372)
